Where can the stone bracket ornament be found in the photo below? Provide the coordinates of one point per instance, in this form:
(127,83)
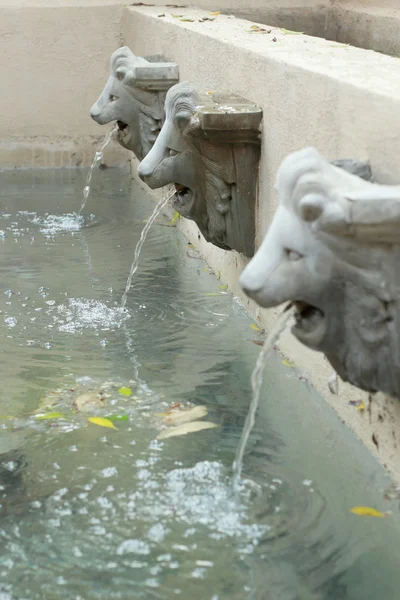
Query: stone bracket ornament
(209,147)
(134,97)
(333,248)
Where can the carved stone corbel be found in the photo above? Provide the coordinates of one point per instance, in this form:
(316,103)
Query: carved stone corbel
(209,147)
(333,248)
(134,96)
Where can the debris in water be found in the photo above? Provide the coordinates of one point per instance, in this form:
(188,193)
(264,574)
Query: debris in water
(102,422)
(366,511)
(125,391)
(186,428)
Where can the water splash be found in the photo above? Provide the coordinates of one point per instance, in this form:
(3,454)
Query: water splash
(256,382)
(97,158)
(160,205)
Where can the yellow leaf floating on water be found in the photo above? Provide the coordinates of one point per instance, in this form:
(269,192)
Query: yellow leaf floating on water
(290,32)
(125,391)
(52,415)
(361,406)
(255,327)
(102,422)
(215,13)
(176,417)
(186,428)
(366,511)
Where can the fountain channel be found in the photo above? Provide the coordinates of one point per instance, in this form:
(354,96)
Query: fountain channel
(96,513)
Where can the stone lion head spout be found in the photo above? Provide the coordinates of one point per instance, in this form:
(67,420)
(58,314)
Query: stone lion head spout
(203,169)
(134,97)
(332,249)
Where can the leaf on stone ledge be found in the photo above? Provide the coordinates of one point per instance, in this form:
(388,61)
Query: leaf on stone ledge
(186,20)
(102,422)
(176,16)
(257,29)
(255,327)
(288,363)
(366,511)
(191,427)
(290,32)
(215,13)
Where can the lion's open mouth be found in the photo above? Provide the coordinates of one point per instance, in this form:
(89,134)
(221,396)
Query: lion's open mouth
(121,125)
(310,322)
(183,193)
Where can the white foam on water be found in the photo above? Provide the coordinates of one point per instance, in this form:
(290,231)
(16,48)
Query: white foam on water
(50,225)
(82,313)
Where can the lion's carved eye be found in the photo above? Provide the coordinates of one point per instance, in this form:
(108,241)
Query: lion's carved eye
(173,152)
(292,255)
(113,98)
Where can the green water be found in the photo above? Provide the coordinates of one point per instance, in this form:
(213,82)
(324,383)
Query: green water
(92,513)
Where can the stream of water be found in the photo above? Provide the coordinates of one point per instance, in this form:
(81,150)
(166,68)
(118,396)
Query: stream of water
(157,210)
(256,382)
(98,157)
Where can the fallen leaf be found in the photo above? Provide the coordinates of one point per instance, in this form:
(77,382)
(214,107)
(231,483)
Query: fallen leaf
(161,15)
(185,416)
(288,363)
(212,293)
(255,327)
(186,20)
(290,32)
(176,16)
(87,401)
(219,275)
(52,415)
(366,511)
(257,29)
(337,45)
(375,440)
(223,287)
(257,342)
(191,427)
(210,93)
(361,406)
(125,391)
(118,417)
(175,218)
(102,422)
(206,19)
(175,405)
(215,13)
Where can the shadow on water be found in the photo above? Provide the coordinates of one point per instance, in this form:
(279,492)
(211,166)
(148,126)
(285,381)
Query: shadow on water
(94,513)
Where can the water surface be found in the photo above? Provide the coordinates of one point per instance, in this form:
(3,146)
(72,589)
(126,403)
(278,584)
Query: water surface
(92,513)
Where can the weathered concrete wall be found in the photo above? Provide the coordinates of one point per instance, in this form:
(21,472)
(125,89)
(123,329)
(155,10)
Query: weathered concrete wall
(54,59)
(342,100)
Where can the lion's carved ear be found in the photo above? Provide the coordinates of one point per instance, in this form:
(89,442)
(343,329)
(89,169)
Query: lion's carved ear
(311,207)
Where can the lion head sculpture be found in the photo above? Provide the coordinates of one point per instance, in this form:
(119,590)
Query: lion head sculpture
(332,249)
(134,97)
(203,170)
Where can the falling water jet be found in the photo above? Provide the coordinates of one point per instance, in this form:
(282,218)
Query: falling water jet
(160,205)
(96,161)
(256,383)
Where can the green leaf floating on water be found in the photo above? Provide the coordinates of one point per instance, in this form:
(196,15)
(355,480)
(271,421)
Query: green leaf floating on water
(52,415)
(191,427)
(125,391)
(118,417)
